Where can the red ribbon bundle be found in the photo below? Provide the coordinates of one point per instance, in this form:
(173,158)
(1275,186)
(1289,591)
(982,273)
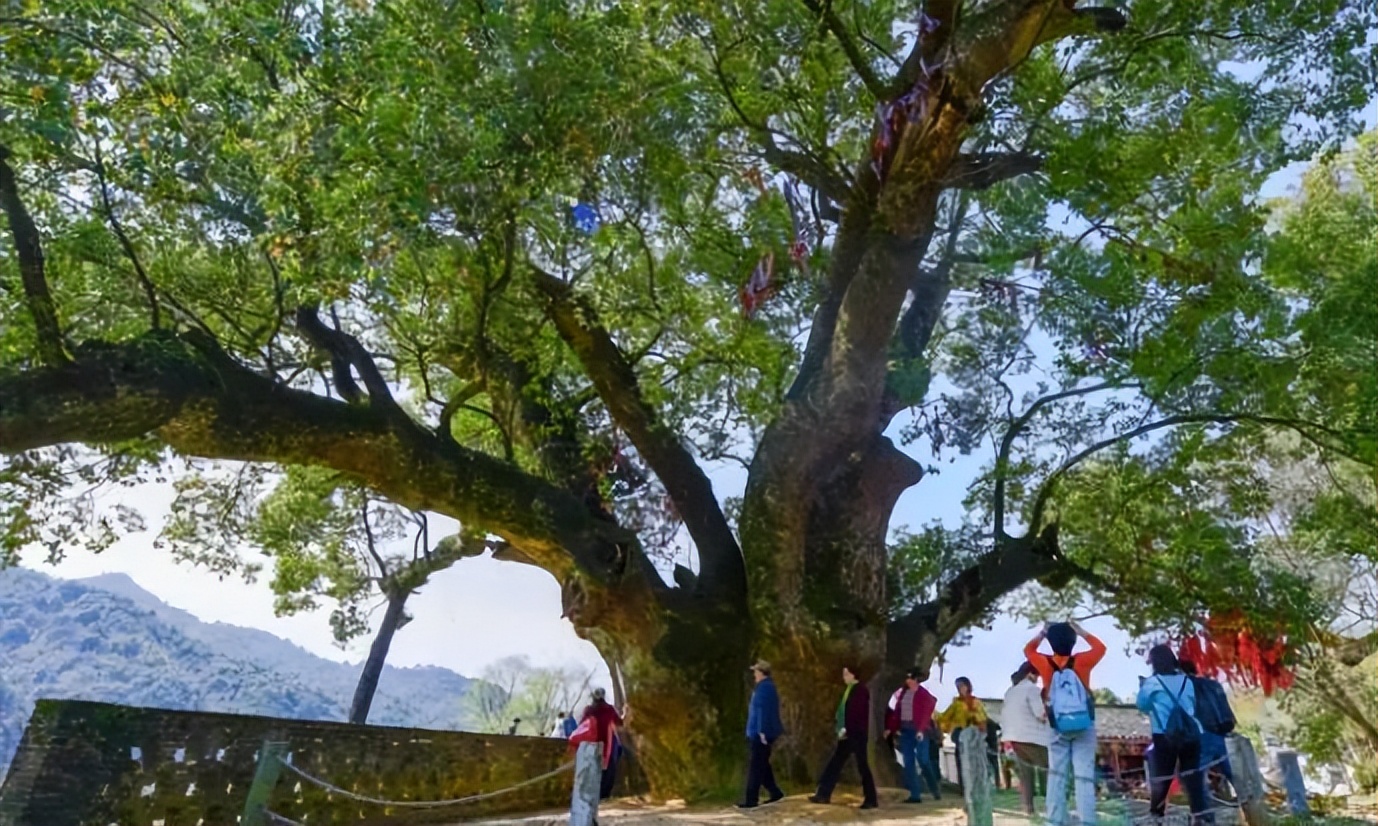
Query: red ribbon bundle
(1228,646)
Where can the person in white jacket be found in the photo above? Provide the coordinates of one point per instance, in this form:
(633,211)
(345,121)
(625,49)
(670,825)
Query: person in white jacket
(1025,721)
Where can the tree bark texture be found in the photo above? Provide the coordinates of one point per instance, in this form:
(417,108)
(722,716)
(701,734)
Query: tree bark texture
(377,657)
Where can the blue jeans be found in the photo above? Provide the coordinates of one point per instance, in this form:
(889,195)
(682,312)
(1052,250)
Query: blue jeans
(1072,759)
(1212,749)
(916,759)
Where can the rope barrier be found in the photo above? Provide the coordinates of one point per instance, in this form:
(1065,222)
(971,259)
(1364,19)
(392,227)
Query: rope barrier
(1172,812)
(1017,760)
(419,804)
(279,819)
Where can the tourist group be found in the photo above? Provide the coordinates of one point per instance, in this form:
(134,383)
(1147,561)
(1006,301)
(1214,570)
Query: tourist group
(1048,728)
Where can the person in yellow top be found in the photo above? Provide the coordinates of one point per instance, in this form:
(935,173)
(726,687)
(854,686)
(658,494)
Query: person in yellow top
(965,712)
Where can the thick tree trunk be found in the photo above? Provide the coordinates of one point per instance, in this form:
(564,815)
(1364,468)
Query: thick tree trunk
(682,660)
(377,656)
(841,615)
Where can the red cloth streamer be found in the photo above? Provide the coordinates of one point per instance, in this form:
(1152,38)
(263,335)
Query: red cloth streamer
(1228,646)
(760,286)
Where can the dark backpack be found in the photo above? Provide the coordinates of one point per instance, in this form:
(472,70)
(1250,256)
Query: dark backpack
(1180,730)
(1213,707)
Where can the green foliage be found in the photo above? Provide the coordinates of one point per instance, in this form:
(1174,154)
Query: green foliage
(1333,709)
(50,499)
(1365,773)
(1277,525)
(328,540)
(407,167)
(921,564)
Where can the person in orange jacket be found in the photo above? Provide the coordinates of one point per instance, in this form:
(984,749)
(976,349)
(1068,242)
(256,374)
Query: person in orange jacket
(1072,750)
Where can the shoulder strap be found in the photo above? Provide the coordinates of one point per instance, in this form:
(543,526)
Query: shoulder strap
(1172,696)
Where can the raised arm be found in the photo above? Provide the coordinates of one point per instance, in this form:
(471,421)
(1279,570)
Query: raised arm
(1038,661)
(1097,648)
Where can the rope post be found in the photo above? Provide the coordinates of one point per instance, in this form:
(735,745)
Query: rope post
(1294,783)
(265,779)
(976,773)
(1248,780)
(588,776)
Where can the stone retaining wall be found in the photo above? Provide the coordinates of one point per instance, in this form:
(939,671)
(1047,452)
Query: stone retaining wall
(96,764)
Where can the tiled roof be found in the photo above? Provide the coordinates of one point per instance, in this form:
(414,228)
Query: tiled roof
(1117,722)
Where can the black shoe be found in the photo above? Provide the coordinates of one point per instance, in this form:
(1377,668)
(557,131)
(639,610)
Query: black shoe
(823,801)
(870,804)
(914,800)
(775,798)
(747,805)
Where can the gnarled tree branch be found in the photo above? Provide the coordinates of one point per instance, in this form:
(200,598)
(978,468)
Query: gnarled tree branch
(200,402)
(860,65)
(1011,564)
(29,249)
(720,559)
(345,351)
(807,168)
(982,170)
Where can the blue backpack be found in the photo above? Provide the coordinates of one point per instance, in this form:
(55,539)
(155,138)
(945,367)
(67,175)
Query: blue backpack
(1213,707)
(1180,728)
(1069,704)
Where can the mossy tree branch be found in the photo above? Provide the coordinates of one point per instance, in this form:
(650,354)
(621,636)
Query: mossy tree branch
(200,402)
(721,567)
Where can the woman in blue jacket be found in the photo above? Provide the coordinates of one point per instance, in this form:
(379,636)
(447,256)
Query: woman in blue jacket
(1175,752)
(763,728)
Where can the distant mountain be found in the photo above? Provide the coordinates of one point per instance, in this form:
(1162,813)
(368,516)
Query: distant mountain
(107,639)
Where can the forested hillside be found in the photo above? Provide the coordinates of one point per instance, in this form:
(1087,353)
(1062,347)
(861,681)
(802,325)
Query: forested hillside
(107,639)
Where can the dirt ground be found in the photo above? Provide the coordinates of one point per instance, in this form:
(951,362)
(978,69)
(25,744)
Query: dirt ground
(792,811)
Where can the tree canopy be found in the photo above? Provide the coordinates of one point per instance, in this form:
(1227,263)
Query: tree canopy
(542,267)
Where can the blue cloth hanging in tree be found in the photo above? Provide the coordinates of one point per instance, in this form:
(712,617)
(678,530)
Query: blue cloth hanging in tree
(585,218)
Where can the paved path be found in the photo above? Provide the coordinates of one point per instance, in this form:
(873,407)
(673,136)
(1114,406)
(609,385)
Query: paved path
(792,811)
(798,811)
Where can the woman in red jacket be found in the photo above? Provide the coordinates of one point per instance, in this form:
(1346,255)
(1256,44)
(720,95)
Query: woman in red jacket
(853,725)
(607,720)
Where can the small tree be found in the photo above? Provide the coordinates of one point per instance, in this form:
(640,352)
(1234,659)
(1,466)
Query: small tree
(329,540)
(513,688)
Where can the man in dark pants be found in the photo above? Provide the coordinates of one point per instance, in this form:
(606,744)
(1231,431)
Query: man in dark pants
(763,728)
(853,726)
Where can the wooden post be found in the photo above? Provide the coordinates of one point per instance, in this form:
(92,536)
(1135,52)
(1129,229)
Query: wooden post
(265,779)
(588,777)
(1248,780)
(976,772)
(1294,783)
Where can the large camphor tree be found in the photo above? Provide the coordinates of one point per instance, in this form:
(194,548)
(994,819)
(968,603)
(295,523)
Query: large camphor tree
(542,267)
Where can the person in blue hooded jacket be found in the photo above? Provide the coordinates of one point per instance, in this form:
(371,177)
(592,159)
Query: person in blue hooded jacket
(1160,694)
(763,728)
